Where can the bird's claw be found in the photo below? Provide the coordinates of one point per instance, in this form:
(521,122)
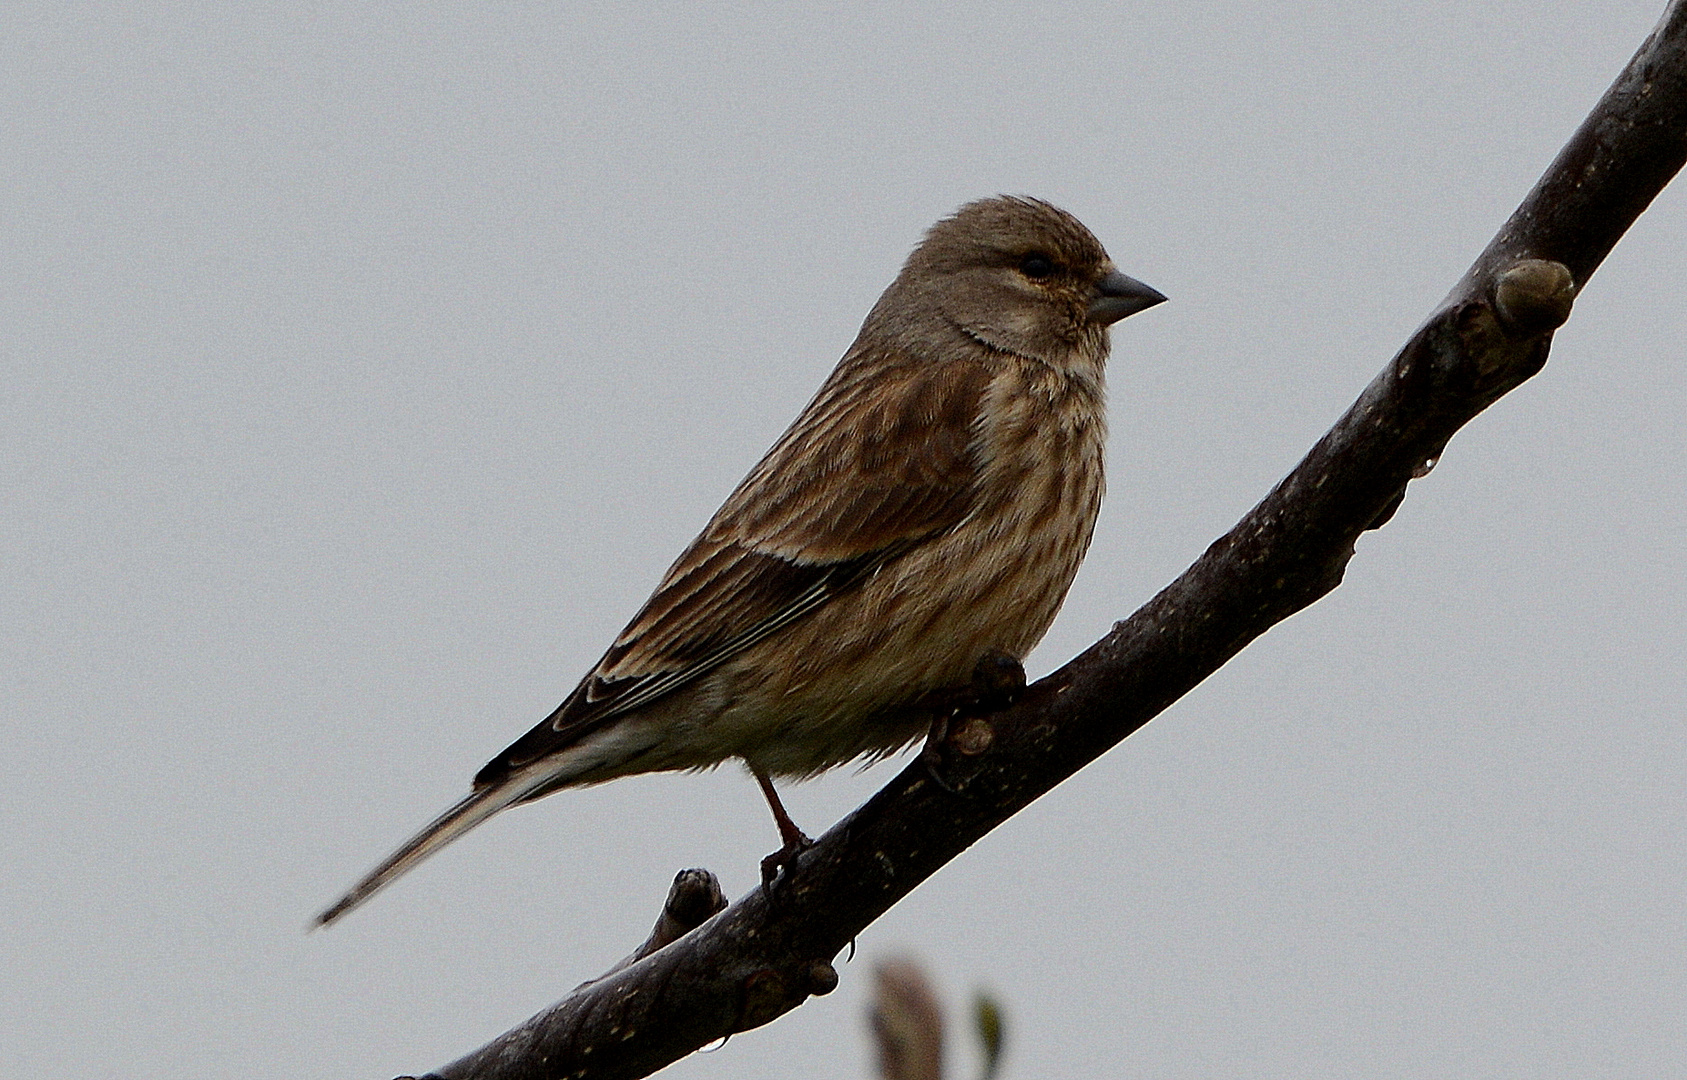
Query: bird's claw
(776,867)
(931,755)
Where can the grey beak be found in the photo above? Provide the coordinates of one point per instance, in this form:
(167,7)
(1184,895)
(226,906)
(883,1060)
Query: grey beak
(1117,296)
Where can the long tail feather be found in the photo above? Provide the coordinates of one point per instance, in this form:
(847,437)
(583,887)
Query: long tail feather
(456,821)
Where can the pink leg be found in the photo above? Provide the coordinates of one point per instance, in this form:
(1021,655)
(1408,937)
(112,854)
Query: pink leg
(794,840)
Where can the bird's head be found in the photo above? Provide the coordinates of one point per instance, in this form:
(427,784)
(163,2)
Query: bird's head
(1022,276)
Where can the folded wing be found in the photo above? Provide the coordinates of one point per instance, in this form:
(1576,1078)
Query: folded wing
(871,468)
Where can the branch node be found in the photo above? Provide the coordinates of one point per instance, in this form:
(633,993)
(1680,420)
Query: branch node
(694,898)
(765,999)
(822,978)
(1534,296)
(973,737)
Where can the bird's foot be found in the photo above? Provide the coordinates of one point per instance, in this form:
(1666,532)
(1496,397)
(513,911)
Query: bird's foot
(997,681)
(776,868)
(931,754)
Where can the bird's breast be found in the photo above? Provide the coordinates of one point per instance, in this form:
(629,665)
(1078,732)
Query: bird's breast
(993,583)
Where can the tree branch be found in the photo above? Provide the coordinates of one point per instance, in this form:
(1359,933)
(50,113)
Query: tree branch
(755,962)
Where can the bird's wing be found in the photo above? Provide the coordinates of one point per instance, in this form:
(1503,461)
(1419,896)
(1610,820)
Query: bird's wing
(879,461)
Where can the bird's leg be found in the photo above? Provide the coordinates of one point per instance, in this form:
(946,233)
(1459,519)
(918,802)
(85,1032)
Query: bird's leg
(997,681)
(794,840)
(931,754)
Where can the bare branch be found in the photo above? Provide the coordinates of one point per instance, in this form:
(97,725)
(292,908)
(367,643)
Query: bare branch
(753,962)
(694,898)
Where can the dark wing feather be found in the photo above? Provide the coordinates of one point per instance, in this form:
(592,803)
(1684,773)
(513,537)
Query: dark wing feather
(882,458)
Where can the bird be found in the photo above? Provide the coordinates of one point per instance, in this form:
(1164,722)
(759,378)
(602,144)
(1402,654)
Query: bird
(925,512)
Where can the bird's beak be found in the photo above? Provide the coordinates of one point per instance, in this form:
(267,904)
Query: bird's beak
(1117,296)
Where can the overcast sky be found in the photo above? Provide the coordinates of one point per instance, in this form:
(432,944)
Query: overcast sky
(363,370)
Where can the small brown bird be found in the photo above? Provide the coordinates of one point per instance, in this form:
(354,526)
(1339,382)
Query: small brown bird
(927,510)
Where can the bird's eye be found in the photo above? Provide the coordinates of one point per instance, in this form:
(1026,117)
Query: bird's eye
(1036,266)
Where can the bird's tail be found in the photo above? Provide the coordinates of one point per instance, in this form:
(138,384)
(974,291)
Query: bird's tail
(445,828)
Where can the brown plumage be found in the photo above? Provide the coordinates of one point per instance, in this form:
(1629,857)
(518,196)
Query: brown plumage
(929,507)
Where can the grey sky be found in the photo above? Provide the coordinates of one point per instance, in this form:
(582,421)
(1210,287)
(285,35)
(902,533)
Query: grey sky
(363,370)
